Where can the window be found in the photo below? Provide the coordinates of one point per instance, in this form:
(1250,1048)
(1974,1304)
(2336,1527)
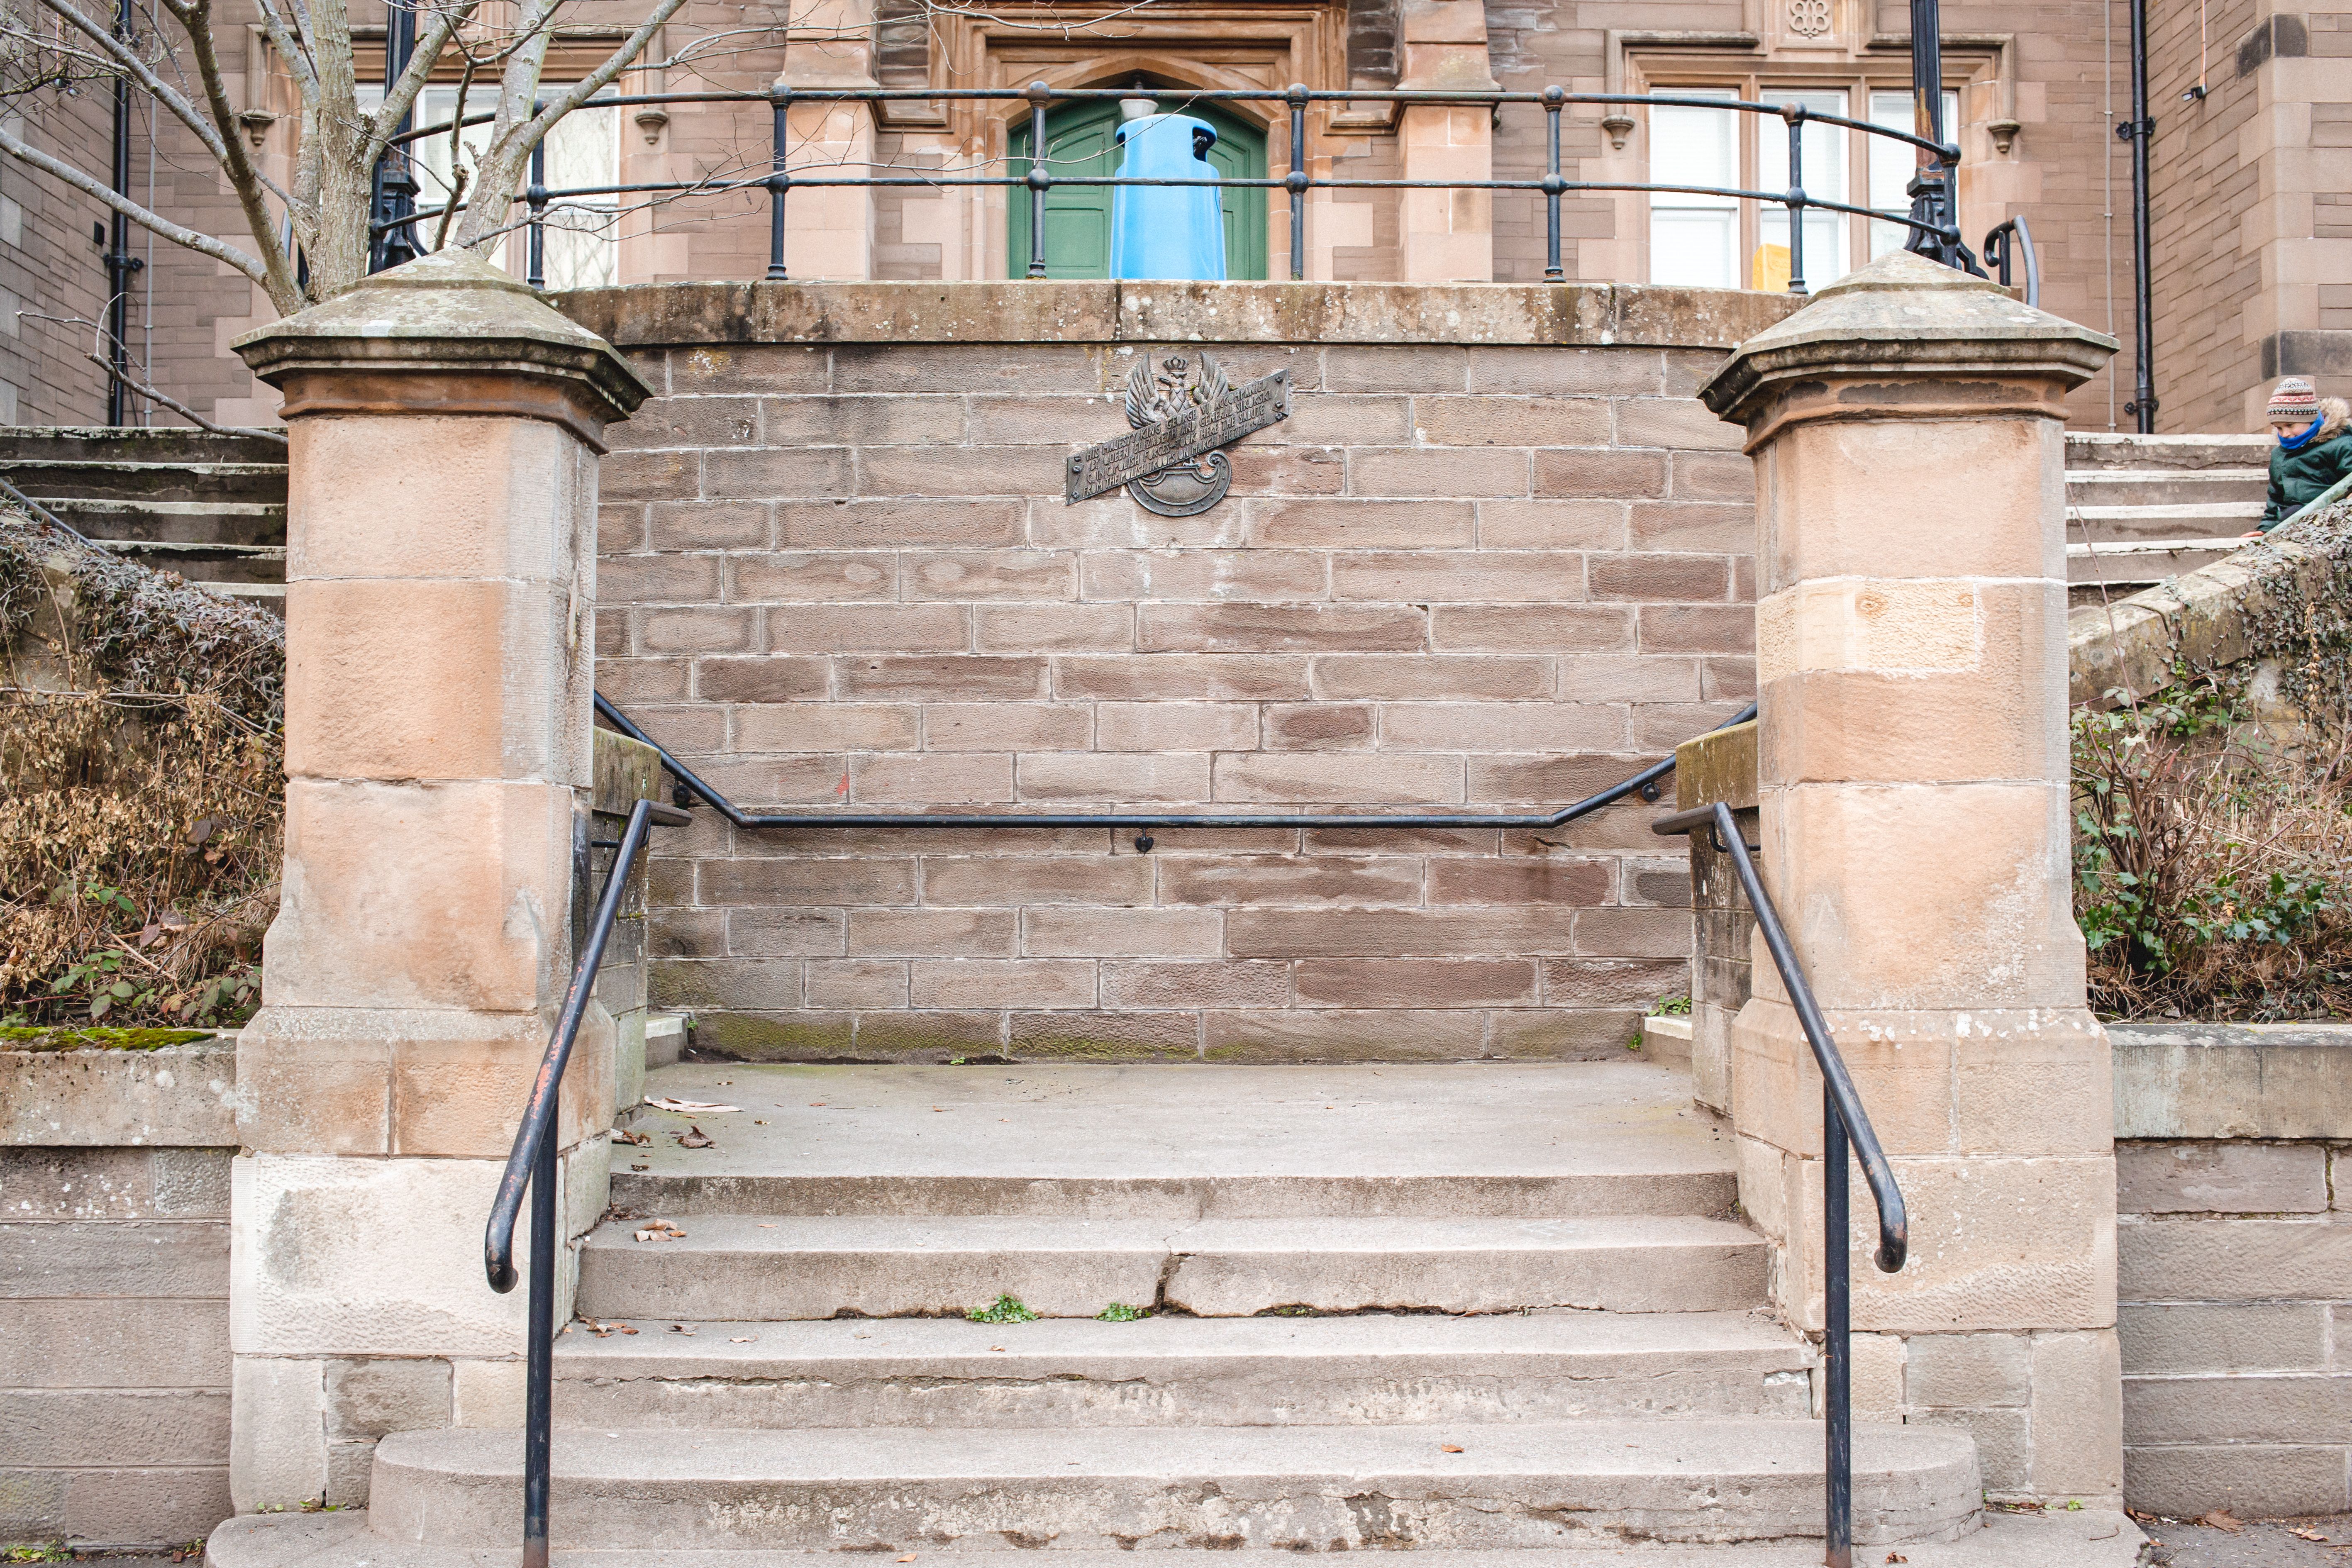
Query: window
(1709,242)
(1694,240)
(583,245)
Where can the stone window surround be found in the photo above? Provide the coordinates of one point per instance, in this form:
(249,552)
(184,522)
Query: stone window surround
(1255,46)
(1639,61)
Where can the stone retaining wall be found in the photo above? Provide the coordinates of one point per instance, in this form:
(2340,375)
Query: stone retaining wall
(114,1259)
(1497,557)
(2234,1159)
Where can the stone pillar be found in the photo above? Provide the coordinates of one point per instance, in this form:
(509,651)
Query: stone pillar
(829,229)
(1906,429)
(1447,237)
(441,526)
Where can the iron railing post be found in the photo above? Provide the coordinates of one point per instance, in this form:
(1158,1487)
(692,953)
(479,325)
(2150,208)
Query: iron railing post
(1039,179)
(1296,181)
(780,180)
(1837,1338)
(539,1373)
(1795,115)
(536,195)
(1554,100)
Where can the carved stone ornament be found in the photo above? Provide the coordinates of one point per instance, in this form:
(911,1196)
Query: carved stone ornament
(1181,414)
(1809,18)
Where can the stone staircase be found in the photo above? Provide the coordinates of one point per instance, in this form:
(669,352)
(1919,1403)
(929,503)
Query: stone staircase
(2140,508)
(209,507)
(1475,1309)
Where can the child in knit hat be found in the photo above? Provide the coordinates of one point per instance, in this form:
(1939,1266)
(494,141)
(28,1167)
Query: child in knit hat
(2313,448)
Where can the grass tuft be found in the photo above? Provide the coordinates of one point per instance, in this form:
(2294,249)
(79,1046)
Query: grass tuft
(1006,1310)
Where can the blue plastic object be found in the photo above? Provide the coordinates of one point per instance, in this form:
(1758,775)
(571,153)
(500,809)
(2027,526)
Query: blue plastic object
(1168,231)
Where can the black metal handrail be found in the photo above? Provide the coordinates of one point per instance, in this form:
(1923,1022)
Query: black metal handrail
(1842,1118)
(533,1164)
(1933,221)
(2013,235)
(690,784)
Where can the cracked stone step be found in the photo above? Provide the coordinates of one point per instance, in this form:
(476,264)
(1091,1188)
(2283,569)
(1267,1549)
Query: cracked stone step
(1115,1143)
(1374,1370)
(2163,487)
(1300,1488)
(2100,526)
(2092,1538)
(742,1266)
(2107,449)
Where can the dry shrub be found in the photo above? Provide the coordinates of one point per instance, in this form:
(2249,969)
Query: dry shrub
(2212,863)
(141,789)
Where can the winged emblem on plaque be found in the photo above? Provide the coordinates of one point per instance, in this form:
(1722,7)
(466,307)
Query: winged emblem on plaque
(1180,411)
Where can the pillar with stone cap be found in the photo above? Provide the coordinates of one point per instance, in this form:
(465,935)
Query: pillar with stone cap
(445,426)
(1907,428)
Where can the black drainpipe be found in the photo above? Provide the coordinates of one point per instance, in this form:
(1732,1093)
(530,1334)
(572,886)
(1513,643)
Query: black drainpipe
(2140,128)
(119,263)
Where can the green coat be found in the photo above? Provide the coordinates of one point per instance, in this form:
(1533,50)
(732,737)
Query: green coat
(2301,477)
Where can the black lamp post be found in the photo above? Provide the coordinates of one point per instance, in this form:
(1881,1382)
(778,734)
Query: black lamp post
(1934,200)
(395,182)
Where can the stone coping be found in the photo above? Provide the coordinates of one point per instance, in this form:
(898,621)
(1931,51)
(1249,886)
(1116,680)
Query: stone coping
(1720,765)
(625,772)
(652,315)
(175,1096)
(2232,1081)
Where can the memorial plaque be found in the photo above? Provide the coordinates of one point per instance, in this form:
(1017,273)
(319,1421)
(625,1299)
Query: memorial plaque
(1181,415)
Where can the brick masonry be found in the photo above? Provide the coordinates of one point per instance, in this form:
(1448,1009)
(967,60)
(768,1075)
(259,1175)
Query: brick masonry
(1461,575)
(2234,1268)
(114,1374)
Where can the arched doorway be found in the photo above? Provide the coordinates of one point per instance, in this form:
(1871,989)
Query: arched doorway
(1079,140)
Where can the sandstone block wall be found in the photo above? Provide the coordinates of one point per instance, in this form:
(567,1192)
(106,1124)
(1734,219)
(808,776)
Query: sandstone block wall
(1492,575)
(114,1262)
(2234,1159)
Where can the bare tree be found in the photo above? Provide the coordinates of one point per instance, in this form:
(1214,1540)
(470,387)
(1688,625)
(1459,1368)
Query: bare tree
(322,214)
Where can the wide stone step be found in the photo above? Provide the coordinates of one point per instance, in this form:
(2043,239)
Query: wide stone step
(205,563)
(182,521)
(2090,1538)
(43,478)
(134,444)
(1300,1488)
(1240,1372)
(2104,525)
(1495,1141)
(742,1266)
(2163,487)
(2145,561)
(2115,449)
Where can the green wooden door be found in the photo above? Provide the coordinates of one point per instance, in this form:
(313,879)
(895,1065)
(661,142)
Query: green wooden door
(1080,142)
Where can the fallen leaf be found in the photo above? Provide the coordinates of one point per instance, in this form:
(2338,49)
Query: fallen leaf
(755,1121)
(766,1226)
(639,1138)
(1896,1557)
(996,1347)
(1450,1448)
(625,1328)
(746,1339)
(681,1329)
(660,1230)
(814,1105)
(641,1167)
(694,1138)
(692,1106)
(2310,1535)
(2220,1518)
(909,1558)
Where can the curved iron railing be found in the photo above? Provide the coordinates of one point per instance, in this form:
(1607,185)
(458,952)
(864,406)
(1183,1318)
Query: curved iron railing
(1933,219)
(690,786)
(532,1165)
(2012,237)
(1843,1119)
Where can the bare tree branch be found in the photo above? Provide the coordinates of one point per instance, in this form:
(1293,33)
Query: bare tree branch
(203,244)
(126,60)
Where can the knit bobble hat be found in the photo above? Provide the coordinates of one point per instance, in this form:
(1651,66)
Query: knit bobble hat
(2293,399)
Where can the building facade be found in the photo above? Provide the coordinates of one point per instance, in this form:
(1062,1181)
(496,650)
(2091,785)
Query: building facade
(2251,277)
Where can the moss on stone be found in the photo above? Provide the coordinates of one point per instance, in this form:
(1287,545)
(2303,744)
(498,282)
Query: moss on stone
(96,1038)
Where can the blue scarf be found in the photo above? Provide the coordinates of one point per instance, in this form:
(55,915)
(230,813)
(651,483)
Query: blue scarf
(2297,443)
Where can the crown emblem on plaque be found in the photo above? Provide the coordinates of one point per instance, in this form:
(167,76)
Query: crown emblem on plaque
(1180,411)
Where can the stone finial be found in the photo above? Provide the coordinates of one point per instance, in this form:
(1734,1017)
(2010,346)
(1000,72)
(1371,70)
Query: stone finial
(447,334)
(1903,317)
